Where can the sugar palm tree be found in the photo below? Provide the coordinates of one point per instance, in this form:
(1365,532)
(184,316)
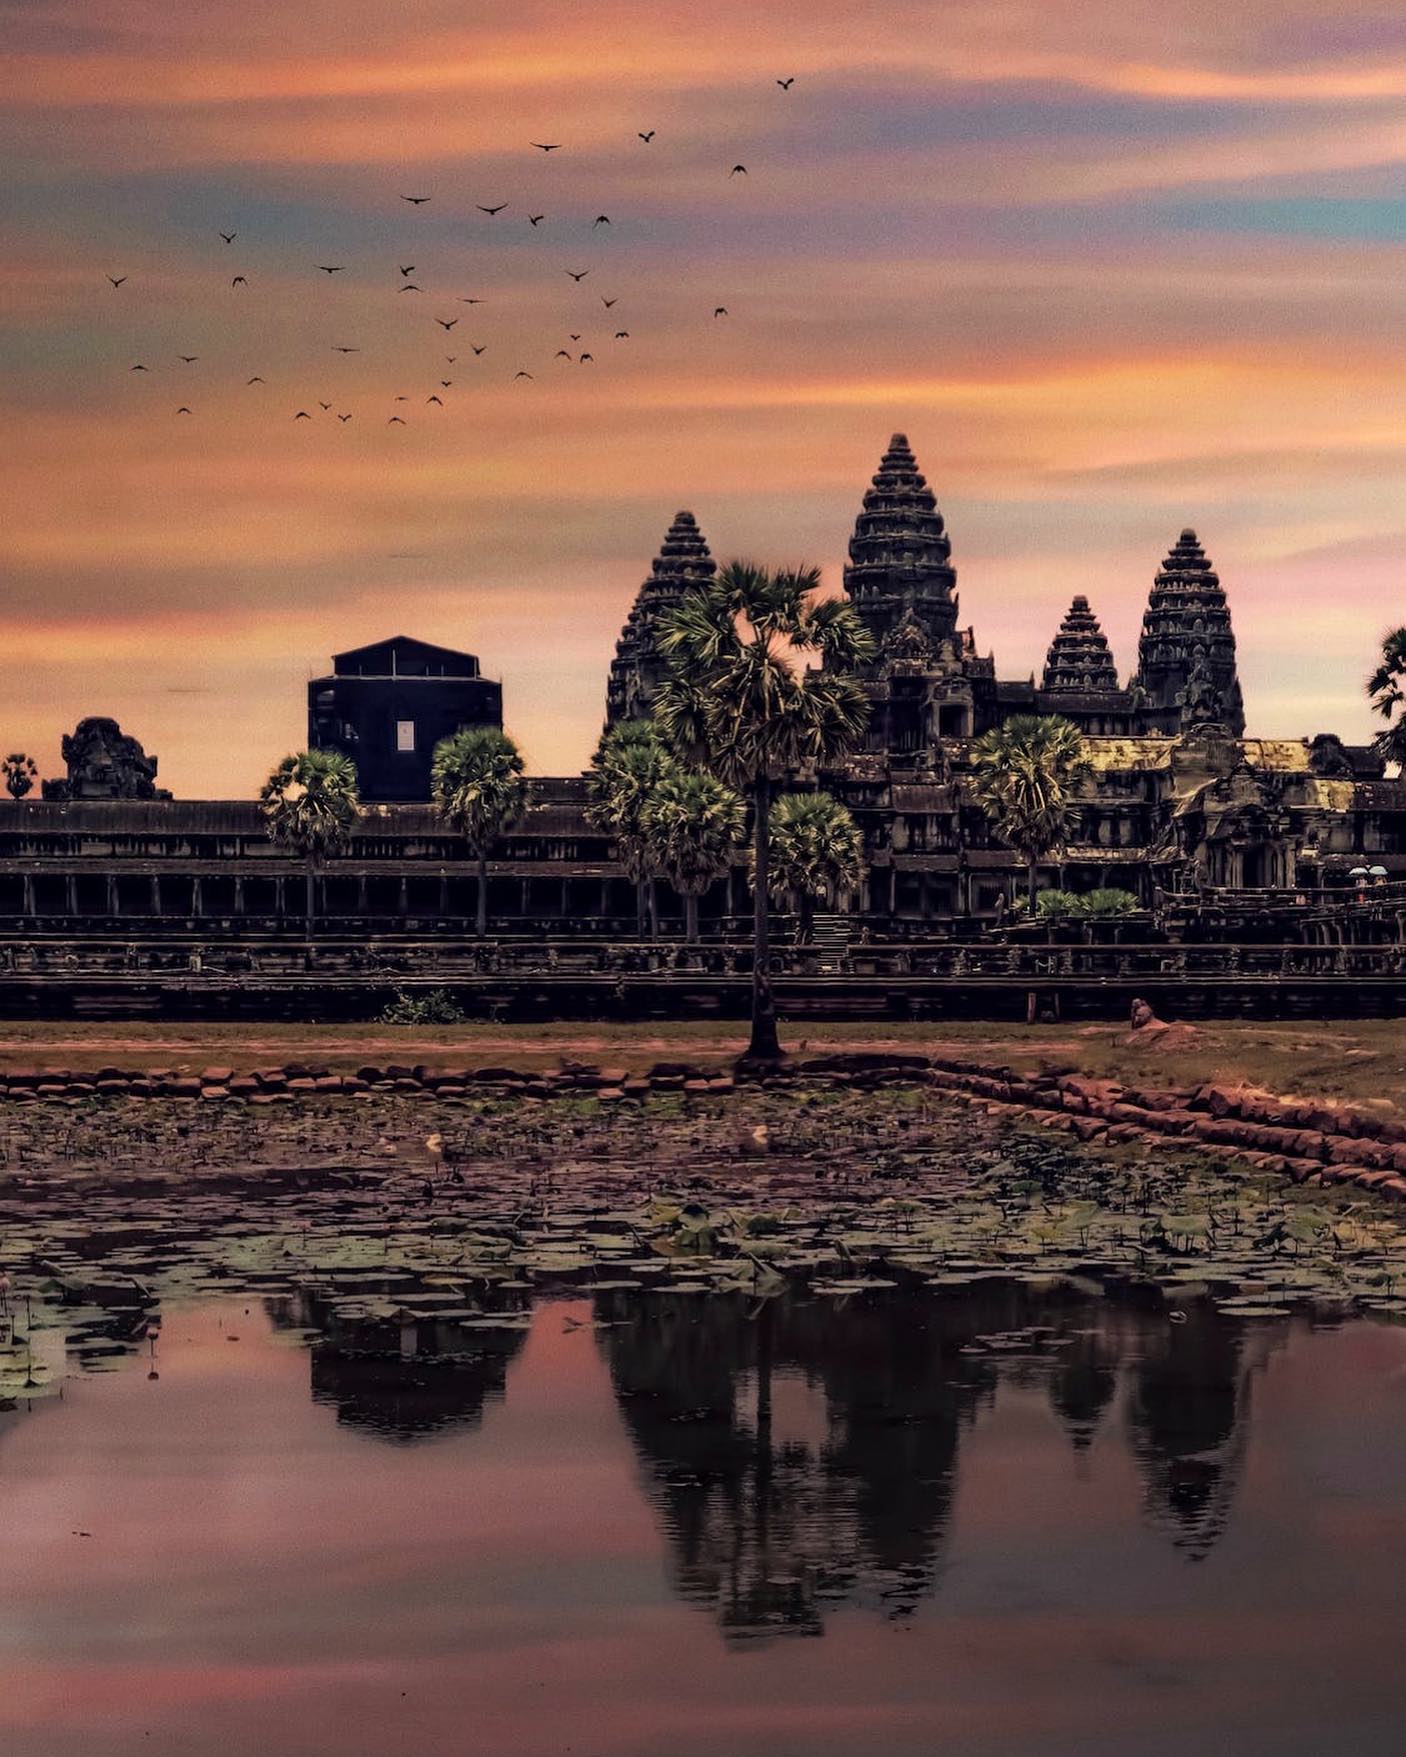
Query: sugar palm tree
(816,851)
(1025,775)
(311,805)
(691,824)
(738,704)
(20,772)
(1387,688)
(631,761)
(479,790)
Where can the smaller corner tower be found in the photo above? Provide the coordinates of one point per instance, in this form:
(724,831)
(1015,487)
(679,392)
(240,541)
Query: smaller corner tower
(638,668)
(1079,658)
(1186,655)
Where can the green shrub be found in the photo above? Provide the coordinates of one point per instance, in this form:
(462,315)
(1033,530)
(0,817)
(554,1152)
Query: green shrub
(1083,905)
(435,1008)
(1107,901)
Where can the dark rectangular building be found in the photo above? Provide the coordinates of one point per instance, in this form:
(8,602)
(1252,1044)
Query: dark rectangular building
(387,706)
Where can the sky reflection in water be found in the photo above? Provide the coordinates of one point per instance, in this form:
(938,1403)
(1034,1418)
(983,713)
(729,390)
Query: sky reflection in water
(831,1527)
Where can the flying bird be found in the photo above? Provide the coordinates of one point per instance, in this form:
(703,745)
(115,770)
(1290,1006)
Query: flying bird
(471,301)
(406,271)
(395,421)
(117,280)
(575,337)
(415,200)
(435,399)
(302,415)
(736,169)
(255,380)
(786,84)
(239,281)
(445,383)
(325,407)
(490,211)
(136,368)
(344,417)
(337,350)
(229,237)
(410,287)
(535,219)
(646,138)
(189,359)
(340,268)
(609,302)
(561,354)
(479,350)
(541,147)
(451,358)
(622,335)
(446,323)
(720,311)
(585,357)
(183,410)
(601,220)
(578,278)
(522,375)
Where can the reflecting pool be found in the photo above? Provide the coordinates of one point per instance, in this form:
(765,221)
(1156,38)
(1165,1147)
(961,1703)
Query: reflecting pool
(991,1517)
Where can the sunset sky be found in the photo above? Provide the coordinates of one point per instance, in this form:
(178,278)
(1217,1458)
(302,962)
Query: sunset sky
(1115,267)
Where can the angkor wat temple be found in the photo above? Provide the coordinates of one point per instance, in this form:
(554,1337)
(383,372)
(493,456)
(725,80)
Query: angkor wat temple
(1181,801)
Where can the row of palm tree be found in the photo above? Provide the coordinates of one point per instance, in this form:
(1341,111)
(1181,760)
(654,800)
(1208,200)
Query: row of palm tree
(311,802)
(673,821)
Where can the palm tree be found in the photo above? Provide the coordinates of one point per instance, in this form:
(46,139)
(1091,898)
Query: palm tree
(20,772)
(737,704)
(310,805)
(816,851)
(479,790)
(691,824)
(1025,775)
(1387,688)
(631,761)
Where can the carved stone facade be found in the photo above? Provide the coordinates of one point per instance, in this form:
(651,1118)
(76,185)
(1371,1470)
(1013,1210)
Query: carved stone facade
(104,763)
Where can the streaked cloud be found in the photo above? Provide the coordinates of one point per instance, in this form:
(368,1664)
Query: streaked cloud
(1114,268)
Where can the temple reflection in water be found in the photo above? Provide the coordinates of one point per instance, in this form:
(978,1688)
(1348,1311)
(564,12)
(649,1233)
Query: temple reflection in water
(803,1453)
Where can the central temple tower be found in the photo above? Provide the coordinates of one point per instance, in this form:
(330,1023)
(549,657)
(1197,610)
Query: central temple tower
(926,682)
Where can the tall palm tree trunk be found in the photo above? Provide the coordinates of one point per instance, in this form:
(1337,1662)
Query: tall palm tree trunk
(765,1045)
(481,902)
(690,917)
(641,909)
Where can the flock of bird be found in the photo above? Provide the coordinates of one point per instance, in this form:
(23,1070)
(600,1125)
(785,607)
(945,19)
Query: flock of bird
(576,354)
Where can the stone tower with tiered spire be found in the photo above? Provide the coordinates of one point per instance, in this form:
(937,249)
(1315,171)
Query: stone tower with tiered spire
(1186,656)
(638,669)
(1079,658)
(900,559)
(926,682)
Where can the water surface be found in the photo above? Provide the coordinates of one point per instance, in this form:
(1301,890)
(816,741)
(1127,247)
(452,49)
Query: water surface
(990,1519)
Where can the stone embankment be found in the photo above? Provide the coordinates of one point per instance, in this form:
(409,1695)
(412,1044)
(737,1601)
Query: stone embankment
(1311,1140)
